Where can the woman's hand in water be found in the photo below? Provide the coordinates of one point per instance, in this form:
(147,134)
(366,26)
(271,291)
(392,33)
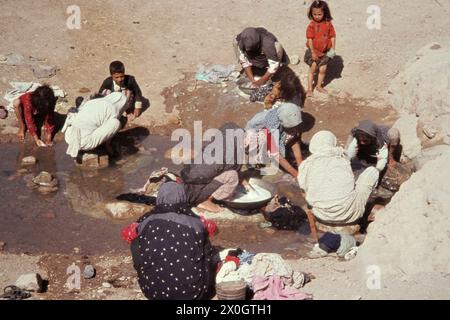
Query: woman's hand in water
(258,83)
(246,185)
(21,134)
(40,143)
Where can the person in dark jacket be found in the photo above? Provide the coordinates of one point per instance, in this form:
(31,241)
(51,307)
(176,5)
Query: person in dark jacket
(172,253)
(206,182)
(259,53)
(121,82)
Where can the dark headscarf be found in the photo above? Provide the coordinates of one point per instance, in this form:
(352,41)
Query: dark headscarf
(250,40)
(373,130)
(171,198)
(171,193)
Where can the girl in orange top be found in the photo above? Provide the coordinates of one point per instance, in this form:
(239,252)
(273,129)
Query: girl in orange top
(321,43)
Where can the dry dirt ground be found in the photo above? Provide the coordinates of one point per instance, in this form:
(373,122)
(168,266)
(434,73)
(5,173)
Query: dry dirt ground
(163,42)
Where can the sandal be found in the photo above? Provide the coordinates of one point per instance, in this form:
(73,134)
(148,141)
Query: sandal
(14,293)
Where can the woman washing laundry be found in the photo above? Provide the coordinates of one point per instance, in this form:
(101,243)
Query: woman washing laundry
(282,122)
(95,123)
(329,184)
(260,54)
(372,145)
(207,182)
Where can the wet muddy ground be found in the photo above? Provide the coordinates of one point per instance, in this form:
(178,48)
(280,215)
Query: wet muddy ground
(71,227)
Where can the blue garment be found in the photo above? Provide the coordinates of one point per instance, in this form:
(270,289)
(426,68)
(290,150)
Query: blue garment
(269,119)
(330,242)
(246,257)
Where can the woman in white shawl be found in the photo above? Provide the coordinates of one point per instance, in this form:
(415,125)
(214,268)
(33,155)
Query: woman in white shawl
(328,181)
(96,122)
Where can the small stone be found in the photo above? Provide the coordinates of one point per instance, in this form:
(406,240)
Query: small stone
(224,90)
(44,179)
(103,161)
(89,272)
(48,215)
(84,90)
(429,131)
(106,285)
(264,225)
(2,245)
(29,160)
(76,250)
(43,71)
(47,190)
(295,59)
(30,282)
(446,140)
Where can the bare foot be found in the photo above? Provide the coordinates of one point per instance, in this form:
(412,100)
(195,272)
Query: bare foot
(210,206)
(21,135)
(321,90)
(309,93)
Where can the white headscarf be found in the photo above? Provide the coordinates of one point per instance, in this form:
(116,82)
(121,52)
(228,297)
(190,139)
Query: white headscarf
(289,114)
(324,144)
(326,174)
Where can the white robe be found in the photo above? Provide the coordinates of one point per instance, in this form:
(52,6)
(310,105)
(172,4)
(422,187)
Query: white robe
(329,183)
(96,122)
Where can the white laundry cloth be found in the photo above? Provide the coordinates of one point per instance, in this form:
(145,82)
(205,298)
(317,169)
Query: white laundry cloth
(21,88)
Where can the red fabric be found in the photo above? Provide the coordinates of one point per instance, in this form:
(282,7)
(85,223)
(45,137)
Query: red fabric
(210,226)
(271,145)
(29,111)
(129,233)
(234,259)
(321,34)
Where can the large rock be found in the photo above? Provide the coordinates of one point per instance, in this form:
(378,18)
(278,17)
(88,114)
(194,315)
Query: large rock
(30,282)
(407,125)
(94,160)
(423,87)
(29,160)
(409,238)
(429,154)
(125,210)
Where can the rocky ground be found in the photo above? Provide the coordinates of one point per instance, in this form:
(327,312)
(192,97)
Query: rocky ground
(162,44)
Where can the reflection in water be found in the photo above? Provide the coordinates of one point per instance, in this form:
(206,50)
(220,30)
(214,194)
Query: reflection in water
(79,203)
(88,191)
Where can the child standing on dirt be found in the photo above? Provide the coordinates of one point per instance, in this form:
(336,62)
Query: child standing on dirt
(121,82)
(321,43)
